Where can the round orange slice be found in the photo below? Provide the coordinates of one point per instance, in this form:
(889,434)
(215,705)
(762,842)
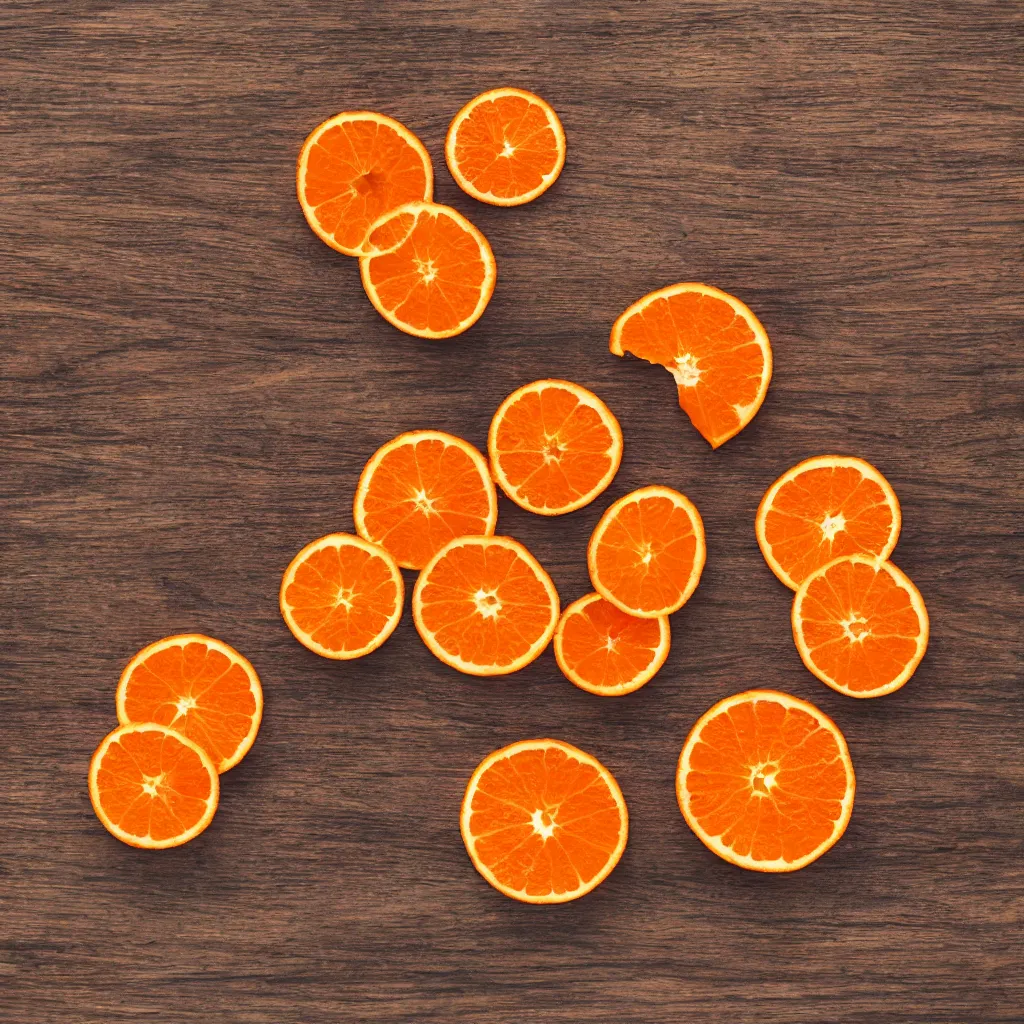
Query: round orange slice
(341,596)
(714,347)
(605,651)
(355,167)
(485,606)
(505,147)
(647,552)
(427,270)
(860,625)
(543,822)
(199,687)
(821,509)
(422,490)
(554,446)
(152,787)
(765,781)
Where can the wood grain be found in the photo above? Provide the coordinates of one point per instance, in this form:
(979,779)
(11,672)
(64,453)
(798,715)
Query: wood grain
(192,382)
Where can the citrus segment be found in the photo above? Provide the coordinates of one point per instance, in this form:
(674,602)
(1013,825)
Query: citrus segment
(152,787)
(422,490)
(605,651)
(341,596)
(485,606)
(860,626)
(821,509)
(199,687)
(543,822)
(714,347)
(554,446)
(765,781)
(505,147)
(354,167)
(647,552)
(427,270)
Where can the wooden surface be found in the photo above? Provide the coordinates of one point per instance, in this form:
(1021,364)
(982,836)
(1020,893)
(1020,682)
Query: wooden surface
(192,382)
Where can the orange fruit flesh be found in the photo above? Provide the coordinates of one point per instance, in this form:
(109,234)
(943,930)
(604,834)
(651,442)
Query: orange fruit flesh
(552,448)
(859,626)
(506,146)
(152,786)
(196,690)
(647,554)
(421,496)
(767,780)
(433,278)
(825,513)
(709,349)
(485,605)
(543,822)
(342,597)
(358,170)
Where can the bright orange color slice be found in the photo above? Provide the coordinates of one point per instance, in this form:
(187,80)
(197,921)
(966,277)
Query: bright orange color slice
(199,687)
(823,508)
(860,626)
(422,490)
(765,781)
(354,167)
(647,552)
(605,651)
(152,787)
(714,347)
(554,446)
(427,270)
(505,147)
(485,606)
(543,822)
(341,596)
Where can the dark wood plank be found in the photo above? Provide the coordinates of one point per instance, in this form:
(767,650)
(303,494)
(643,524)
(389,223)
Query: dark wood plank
(192,381)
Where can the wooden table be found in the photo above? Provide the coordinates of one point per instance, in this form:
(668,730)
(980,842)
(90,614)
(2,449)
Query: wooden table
(192,382)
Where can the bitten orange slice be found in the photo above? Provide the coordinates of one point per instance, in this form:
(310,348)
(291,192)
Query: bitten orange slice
(354,167)
(341,596)
(427,270)
(485,606)
(823,508)
(505,147)
(152,787)
(543,822)
(765,781)
(714,347)
(554,446)
(605,651)
(647,552)
(199,687)
(422,490)
(860,625)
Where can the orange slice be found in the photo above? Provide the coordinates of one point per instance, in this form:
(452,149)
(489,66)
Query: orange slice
(199,687)
(354,167)
(860,625)
(647,552)
(427,270)
(554,446)
(714,347)
(341,596)
(543,822)
(422,490)
(766,781)
(505,147)
(152,787)
(605,651)
(485,606)
(823,508)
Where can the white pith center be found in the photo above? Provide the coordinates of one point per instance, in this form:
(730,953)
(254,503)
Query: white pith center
(344,597)
(646,553)
(151,783)
(763,778)
(424,503)
(543,824)
(609,644)
(686,371)
(831,525)
(184,705)
(507,150)
(426,269)
(552,448)
(855,629)
(487,603)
